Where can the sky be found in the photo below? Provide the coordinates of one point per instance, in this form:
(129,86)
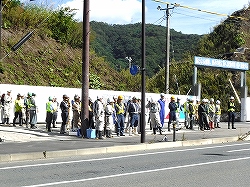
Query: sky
(181,19)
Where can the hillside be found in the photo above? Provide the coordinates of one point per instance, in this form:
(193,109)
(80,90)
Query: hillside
(116,42)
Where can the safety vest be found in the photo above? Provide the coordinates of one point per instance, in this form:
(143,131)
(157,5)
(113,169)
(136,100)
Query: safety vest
(119,108)
(231,107)
(18,105)
(49,107)
(185,106)
(217,110)
(191,108)
(211,108)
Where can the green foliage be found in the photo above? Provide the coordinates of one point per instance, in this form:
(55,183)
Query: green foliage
(115,42)
(95,82)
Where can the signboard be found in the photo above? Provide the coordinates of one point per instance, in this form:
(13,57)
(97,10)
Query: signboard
(225,64)
(134,69)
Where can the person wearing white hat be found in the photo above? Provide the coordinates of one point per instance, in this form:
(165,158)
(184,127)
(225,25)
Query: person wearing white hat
(231,112)
(98,111)
(217,114)
(6,109)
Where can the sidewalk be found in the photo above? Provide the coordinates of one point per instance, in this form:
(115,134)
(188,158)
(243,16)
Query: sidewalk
(20,143)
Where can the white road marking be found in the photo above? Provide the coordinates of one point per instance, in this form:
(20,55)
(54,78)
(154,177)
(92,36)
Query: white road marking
(238,150)
(138,172)
(118,157)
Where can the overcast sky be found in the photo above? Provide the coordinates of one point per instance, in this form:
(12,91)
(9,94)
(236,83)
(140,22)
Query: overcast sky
(181,19)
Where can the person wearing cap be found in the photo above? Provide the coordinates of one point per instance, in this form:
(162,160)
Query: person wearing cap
(27,108)
(177,112)
(202,112)
(211,113)
(49,113)
(172,113)
(91,115)
(55,112)
(33,111)
(109,117)
(231,112)
(217,114)
(133,110)
(186,113)
(98,111)
(18,106)
(161,101)
(64,106)
(191,111)
(154,108)
(120,110)
(6,108)
(76,108)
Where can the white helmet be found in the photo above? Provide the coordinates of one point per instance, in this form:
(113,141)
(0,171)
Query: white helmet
(231,97)
(218,102)
(211,100)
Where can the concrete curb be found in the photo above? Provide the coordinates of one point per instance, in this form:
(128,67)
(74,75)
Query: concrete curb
(113,149)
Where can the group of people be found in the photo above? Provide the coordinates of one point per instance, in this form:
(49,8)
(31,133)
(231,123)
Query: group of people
(110,115)
(25,109)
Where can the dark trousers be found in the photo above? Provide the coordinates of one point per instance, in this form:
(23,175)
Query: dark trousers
(18,114)
(49,117)
(231,118)
(172,117)
(65,116)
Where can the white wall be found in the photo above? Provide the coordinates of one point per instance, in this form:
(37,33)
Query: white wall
(43,93)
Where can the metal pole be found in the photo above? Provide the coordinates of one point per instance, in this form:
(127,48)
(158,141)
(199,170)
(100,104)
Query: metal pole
(143,76)
(85,70)
(1,17)
(167,50)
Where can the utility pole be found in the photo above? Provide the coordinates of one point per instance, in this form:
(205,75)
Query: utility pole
(167,47)
(85,70)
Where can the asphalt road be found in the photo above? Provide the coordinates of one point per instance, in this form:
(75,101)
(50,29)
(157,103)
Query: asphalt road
(209,165)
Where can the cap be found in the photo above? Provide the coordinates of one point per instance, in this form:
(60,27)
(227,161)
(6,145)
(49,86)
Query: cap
(50,98)
(211,100)
(217,102)
(162,95)
(29,94)
(8,91)
(65,96)
(231,98)
(19,95)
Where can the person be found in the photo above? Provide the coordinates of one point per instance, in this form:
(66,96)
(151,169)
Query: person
(203,123)
(55,112)
(211,113)
(191,111)
(161,101)
(27,108)
(18,106)
(120,109)
(186,113)
(7,107)
(231,112)
(177,112)
(133,110)
(49,113)
(64,106)
(109,113)
(172,114)
(154,108)
(217,114)
(33,111)
(91,115)
(98,110)
(127,117)
(76,107)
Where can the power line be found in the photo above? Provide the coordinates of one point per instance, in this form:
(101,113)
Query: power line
(205,11)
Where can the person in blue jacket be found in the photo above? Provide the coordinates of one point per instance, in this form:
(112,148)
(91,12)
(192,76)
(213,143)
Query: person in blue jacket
(161,101)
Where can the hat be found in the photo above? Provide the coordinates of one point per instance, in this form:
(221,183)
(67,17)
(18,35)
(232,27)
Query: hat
(162,95)
(65,96)
(9,91)
(29,94)
(231,98)
(19,95)
(33,94)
